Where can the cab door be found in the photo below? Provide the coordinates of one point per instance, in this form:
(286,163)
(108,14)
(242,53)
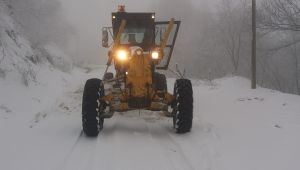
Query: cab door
(160,28)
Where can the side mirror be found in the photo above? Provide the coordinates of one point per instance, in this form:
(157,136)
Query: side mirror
(105,38)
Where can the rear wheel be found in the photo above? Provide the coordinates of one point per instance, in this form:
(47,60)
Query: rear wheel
(160,81)
(183,106)
(108,76)
(92,107)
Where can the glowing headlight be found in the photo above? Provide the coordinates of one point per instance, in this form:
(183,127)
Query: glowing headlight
(155,55)
(122,55)
(139,52)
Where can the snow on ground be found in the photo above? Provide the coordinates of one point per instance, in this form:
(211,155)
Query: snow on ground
(234,128)
(257,129)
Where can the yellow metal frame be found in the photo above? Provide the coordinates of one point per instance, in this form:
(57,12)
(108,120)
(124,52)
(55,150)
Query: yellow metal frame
(139,75)
(156,103)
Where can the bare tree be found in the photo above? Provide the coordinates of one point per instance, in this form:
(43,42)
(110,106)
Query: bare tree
(278,29)
(295,55)
(3,51)
(280,15)
(268,73)
(234,27)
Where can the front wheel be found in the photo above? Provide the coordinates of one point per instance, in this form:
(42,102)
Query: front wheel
(92,107)
(183,106)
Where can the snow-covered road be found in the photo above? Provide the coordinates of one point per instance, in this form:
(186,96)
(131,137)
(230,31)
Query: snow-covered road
(132,140)
(234,128)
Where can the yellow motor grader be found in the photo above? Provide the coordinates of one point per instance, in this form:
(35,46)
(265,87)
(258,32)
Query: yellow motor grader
(140,48)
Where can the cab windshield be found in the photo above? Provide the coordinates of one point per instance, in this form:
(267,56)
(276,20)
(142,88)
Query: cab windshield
(137,37)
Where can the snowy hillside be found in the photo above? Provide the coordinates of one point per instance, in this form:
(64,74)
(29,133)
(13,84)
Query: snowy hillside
(26,72)
(234,128)
(17,58)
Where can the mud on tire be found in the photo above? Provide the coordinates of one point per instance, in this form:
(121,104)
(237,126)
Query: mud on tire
(92,107)
(183,106)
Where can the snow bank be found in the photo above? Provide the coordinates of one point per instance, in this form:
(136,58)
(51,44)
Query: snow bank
(30,78)
(256,129)
(16,55)
(19,61)
(58,58)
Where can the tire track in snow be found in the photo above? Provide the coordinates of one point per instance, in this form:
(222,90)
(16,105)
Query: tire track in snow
(164,147)
(200,144)
(68,155)
(127,139)
(85,152)
(92,156)
(81,154)
(104,154)
(171,148)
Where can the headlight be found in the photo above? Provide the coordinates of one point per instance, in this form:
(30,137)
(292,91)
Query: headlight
(139,52)
(155,55)
(122,55)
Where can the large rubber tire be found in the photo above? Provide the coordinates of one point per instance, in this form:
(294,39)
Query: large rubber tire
(183,106)
(160,82)
(92,107)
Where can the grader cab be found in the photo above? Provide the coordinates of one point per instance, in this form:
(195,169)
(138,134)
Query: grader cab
(140,47)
